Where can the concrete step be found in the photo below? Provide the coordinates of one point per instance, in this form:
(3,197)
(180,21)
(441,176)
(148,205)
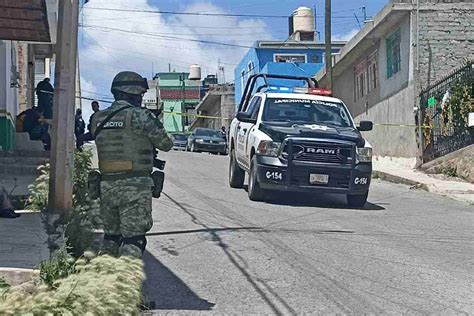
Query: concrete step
(28,161)
(24,153)
(23,142)
(18,169)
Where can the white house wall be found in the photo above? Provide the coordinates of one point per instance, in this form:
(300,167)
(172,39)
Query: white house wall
(8,94)
(390,140)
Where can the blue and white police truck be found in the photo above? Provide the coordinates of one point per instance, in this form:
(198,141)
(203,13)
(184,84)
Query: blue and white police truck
(298,139)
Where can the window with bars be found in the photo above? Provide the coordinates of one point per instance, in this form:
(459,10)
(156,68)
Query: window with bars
(393,53)
(372,72)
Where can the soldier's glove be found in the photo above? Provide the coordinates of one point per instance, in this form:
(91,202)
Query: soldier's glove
(158,180)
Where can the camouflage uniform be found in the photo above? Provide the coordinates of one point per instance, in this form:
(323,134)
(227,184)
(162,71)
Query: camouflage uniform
(125,148)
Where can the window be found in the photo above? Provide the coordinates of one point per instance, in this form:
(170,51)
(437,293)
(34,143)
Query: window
(305,111)
(242,80)
(289,58)
(372,72)
(253,107)
(360,77)
(393,54)
(365,76)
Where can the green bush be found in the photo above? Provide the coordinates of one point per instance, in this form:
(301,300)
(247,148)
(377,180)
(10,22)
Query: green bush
(100,286)
(39,190)
(84,217)
(59,267)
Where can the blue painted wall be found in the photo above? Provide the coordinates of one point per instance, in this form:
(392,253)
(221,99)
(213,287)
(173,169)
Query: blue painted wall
(262,61)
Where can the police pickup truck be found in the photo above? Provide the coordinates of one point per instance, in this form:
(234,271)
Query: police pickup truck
(298,139)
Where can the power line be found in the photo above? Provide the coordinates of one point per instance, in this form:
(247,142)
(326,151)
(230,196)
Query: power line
(205,13)
(169,37)
(188,13)
(240,34)
(184,25)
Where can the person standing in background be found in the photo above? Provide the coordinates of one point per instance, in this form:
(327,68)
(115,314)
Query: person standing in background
(44,91)
(79,127)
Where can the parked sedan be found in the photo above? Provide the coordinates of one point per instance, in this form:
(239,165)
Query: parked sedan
(180,141)
(207,140)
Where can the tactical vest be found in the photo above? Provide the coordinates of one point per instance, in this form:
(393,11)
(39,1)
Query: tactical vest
(118,148)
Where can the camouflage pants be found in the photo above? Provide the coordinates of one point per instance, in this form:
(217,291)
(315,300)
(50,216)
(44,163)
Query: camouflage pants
(125,207)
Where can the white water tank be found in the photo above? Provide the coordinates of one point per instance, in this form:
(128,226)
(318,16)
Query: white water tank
(194,72)
(303,20)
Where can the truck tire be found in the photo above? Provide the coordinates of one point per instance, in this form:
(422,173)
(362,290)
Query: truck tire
(236,174)
(256,193)
(357,200)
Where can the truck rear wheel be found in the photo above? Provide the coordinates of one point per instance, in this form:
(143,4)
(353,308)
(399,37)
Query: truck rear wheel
(357,200)
(236,174)
(256,193)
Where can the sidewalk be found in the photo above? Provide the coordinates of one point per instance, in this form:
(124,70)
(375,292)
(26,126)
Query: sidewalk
(400,170)
(24,244)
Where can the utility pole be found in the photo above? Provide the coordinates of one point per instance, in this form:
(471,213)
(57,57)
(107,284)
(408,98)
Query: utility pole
(183,109)
(62,150)
(327,38)
(364,11)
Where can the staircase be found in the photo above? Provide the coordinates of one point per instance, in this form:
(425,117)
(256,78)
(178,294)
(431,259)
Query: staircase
(19,167)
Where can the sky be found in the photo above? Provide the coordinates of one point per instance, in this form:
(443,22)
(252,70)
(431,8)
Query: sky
(111,41)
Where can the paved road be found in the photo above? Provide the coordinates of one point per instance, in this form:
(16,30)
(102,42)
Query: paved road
(211,250)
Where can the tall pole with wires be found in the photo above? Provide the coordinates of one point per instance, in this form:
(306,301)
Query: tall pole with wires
(327,38)
(62,149)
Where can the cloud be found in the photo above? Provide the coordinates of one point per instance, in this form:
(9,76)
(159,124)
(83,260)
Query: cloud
(113,41)
(345,36)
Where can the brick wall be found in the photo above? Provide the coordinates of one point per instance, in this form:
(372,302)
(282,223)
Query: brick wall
(178,94)
(446,30)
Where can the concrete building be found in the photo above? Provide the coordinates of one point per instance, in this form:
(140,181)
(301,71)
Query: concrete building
(292,57)
(217,103)
(27,35)
(179,97)
(382,69)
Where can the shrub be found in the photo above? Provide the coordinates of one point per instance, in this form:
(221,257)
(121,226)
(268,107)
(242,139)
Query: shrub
(84,217)
(39,190)
(59,267)
(100,286)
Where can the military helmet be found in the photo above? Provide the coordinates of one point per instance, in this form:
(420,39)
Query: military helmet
(129,82)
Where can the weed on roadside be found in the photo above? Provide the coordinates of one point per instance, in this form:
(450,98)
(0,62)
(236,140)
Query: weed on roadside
(59,267)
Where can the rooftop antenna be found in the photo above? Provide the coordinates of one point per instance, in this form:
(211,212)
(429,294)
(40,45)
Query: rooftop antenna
(357,19)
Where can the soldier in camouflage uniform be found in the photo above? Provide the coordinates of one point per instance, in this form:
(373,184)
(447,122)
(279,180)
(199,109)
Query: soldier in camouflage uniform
(125,147)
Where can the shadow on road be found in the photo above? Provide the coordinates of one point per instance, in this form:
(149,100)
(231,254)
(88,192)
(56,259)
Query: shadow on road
(322,200)
(165,290)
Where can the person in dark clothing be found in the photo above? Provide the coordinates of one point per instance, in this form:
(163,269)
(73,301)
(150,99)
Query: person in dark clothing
(79,127)
(224,133)
(35,125)
(87,137)
(44,91)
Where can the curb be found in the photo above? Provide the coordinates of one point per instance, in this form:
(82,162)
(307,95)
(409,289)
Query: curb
(376,174)
(17,276)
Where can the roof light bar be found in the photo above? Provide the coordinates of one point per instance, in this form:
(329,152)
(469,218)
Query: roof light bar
(316,91)
(280,89)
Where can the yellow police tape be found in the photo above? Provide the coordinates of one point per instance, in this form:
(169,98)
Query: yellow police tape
(196,115)
(227,118)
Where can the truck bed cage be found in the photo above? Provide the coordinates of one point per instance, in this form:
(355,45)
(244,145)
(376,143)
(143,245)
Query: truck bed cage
(251,82)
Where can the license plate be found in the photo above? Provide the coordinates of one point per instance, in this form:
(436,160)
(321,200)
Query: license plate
(318,178)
